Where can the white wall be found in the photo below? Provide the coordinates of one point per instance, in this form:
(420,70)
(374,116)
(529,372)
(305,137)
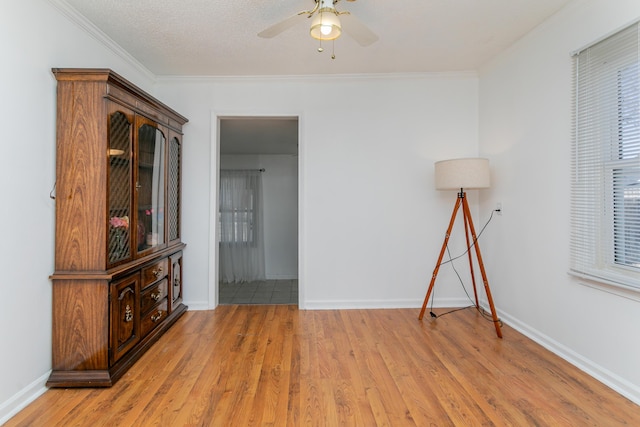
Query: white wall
(371,224)
(280,190)
(525,129)
(281,215)
(34,37)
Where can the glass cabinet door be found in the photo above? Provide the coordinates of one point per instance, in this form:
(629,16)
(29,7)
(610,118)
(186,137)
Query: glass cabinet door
(119,202)
(150,187)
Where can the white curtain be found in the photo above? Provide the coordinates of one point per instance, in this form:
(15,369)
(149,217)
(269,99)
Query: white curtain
(241,236)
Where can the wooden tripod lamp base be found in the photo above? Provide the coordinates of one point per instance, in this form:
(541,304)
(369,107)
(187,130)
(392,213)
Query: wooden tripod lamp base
(460,174)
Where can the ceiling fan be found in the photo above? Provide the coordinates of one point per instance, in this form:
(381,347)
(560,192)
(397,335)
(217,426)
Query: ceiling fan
(327,24)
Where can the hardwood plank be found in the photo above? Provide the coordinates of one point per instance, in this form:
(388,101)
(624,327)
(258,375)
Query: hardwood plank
(311,396)
(271,392)
(412,371)
(278,366)
(236,368)
(294,398)
(381,389)
(348,391)
(457,359)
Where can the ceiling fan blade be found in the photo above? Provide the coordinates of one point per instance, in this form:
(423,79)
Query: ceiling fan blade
(281,26)
(356,29)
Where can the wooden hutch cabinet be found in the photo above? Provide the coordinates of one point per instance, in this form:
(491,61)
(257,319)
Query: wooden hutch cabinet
(117,285)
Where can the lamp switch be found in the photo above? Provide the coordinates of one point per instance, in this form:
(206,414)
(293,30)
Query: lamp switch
(499,208)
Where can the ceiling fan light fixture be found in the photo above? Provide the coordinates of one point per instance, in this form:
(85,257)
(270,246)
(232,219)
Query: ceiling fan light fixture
(326,25)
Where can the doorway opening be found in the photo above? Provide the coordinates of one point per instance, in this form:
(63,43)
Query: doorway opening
(266,148)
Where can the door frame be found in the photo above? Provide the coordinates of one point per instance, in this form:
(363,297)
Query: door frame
(214,199)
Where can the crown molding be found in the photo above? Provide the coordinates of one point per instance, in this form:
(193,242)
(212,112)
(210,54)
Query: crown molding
(454,75)
(87,26)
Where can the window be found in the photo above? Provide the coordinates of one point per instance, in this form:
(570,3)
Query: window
(605,201)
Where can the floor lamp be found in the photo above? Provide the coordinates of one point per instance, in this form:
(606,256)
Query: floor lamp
(463,174)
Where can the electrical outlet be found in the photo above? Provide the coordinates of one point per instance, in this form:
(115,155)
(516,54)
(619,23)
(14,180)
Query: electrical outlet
(499,208)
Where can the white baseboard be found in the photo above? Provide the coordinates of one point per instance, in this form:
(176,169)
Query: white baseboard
(23,398)
(608,378)
(390,303)
(197,305)
(282,277)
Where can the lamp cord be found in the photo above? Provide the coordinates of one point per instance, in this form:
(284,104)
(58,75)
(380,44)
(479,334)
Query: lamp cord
(472,243)
(482,312)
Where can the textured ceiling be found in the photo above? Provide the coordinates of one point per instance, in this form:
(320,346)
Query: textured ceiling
(219,37)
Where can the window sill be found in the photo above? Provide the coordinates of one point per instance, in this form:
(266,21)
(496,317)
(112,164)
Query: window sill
(610,287)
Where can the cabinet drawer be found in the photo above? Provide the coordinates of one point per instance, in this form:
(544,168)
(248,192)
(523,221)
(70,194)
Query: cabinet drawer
(153,295)
(154,272)
(154,317)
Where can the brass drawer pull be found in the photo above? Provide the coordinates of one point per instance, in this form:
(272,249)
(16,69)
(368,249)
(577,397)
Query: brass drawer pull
(128,314)
(155,297)
(156,317)
(157,273)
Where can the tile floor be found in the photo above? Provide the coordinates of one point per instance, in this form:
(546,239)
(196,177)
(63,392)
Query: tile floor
(259,292)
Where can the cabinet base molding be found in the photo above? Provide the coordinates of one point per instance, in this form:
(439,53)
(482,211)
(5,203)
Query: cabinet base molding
(108,377)
(79,379)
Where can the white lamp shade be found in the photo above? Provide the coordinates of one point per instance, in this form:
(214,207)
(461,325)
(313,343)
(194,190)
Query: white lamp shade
(470,173)
(326,25)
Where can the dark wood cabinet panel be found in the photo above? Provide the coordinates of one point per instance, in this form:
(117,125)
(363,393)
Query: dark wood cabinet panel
(80,304)
(125,315)
(118,191)
(175,289)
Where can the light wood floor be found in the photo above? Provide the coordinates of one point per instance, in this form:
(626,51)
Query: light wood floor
(278,366)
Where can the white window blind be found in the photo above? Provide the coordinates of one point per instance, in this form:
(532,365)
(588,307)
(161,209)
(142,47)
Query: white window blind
(605,188)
